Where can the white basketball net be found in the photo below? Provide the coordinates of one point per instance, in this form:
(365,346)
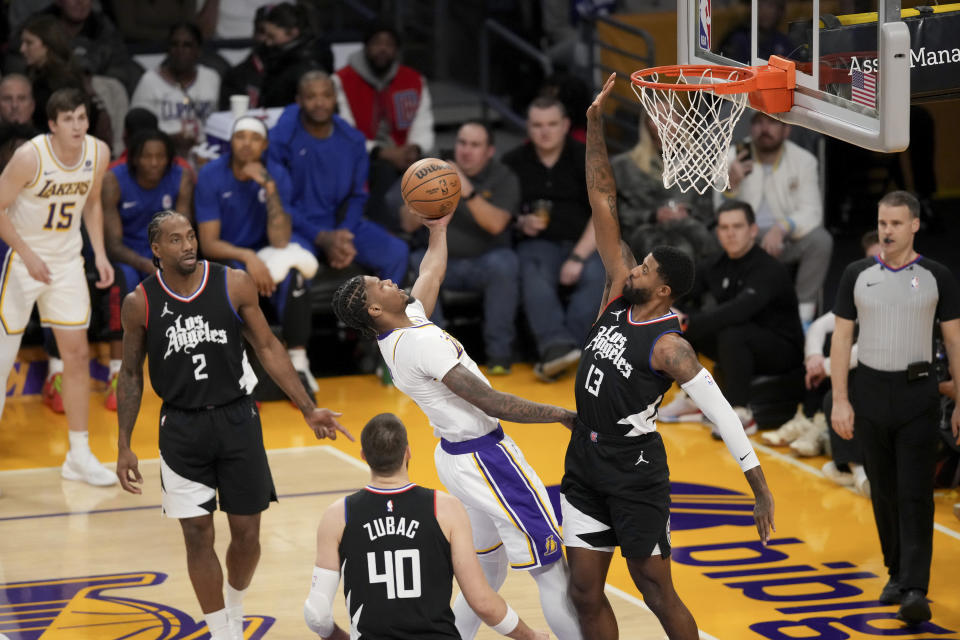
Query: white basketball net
(695,129)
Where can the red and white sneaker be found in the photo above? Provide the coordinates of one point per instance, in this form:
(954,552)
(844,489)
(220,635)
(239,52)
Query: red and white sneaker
(52,392)
(111,402)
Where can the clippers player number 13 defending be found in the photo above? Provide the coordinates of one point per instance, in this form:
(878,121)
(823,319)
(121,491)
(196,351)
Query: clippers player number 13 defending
(616,485)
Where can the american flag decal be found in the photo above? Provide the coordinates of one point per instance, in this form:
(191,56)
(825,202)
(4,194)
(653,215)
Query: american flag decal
(863,88)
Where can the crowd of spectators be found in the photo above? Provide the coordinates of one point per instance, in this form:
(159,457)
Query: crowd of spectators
(311,186)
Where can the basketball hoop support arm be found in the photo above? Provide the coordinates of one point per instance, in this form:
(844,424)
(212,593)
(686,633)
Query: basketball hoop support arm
(775,83)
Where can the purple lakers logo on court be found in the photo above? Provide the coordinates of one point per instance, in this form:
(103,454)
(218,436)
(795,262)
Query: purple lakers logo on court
(95,606)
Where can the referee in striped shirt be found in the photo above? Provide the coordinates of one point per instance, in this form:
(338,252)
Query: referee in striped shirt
(896,297)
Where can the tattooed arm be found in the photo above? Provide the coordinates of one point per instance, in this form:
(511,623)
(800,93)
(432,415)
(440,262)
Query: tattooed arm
(602,189)
(133,315)
(498,404)
(279,225)
(674,356)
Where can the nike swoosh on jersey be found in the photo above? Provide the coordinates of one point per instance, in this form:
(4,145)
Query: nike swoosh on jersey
(127,205)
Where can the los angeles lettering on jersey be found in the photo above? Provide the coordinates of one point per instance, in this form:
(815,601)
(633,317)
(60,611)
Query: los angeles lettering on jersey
(610,344)
(389,526)
(190,332)
(52,188)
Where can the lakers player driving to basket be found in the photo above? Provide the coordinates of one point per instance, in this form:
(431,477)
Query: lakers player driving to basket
(616,485)
(510,513)
(48,185)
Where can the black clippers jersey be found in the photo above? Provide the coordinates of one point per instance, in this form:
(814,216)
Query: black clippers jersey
(396,566)
(617,392)
(194,346)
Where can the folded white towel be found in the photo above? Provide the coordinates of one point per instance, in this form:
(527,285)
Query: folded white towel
(292,256)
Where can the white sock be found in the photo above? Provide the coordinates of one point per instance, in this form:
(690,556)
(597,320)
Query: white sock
(494,565)
(79,441)
(54,366)
(557,608)
(298,357)
(115,367)
(859,473)
(234,602)
(218,625)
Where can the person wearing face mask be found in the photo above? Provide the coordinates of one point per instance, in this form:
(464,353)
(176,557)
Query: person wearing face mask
(290,50)
(246,78)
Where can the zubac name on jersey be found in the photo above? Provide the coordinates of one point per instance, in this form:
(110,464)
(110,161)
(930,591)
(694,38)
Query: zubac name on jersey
(390,526)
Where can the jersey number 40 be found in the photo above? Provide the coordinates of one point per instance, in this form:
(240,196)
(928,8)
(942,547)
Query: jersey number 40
(394,576)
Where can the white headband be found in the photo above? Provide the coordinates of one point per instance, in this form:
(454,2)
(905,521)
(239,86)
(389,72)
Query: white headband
(249,123)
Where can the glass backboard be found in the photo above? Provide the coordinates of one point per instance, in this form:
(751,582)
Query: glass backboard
(853,59)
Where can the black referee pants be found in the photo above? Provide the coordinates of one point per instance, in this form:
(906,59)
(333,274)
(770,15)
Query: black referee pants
(896,423)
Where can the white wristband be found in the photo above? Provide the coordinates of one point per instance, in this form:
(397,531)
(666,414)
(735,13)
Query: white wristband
(508,624)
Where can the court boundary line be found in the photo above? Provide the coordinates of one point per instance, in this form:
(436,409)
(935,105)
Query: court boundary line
(113,465)
(634,600)
(817,472)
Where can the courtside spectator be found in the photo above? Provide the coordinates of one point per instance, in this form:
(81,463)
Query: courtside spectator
(328,162)
(16,100)
(558,246)
(181,92)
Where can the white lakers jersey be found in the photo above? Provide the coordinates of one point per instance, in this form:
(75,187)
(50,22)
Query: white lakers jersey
(47,212)
(419,357)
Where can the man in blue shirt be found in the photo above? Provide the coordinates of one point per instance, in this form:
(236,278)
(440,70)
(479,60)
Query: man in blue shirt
(133,191)
(328,163)
(242,205)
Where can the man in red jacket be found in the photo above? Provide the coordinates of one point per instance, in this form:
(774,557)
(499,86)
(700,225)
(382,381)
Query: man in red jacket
(390,104)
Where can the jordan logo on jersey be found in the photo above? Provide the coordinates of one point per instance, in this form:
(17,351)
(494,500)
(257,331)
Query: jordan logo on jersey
(616,314)
(187,333)
(165,311)
(610,344)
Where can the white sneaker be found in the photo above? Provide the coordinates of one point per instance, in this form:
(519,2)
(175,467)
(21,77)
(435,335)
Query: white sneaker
(842,478)
(86,468)
(810,443)
(860,480)
(680,409)
(787,432)
(746,421)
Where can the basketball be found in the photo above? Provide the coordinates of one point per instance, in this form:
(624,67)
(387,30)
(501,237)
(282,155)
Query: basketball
(431,187)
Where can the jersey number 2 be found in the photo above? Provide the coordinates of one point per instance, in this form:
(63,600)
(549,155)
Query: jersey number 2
(66,216)
(201,361)
(594,378)
(393,574)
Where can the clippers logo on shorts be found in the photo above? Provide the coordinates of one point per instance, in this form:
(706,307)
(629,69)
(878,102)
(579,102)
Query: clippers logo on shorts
(187,333)
(610,344)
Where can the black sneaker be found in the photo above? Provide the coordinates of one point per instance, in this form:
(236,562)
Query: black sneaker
(891,593)
(914,608)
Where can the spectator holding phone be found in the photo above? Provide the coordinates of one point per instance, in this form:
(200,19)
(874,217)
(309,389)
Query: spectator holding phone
(781,181)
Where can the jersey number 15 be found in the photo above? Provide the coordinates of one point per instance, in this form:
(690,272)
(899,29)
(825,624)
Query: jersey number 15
(65,218)
(393,575)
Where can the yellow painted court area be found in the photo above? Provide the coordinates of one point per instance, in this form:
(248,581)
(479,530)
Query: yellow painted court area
(83,562)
